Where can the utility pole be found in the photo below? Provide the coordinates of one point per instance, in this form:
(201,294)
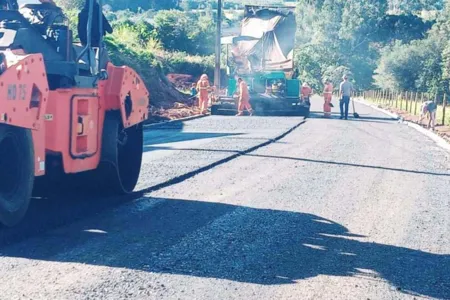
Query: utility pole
(218,45)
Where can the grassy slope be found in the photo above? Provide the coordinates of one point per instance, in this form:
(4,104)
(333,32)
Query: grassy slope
(162,92)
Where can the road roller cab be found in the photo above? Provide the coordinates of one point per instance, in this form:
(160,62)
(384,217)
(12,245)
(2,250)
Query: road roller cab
(64,121)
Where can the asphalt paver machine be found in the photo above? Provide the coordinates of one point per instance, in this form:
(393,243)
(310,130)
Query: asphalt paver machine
(262,55)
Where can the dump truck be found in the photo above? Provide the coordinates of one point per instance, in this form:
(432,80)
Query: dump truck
(65,113)
(262,55)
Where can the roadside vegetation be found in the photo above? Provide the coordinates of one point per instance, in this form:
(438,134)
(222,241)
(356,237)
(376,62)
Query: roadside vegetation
(396,45)
(174,36)
(385,44)
(156,39)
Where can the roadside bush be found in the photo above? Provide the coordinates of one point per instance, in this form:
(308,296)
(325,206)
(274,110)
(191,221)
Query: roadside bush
(127,35)
(308,61)
(70,4)
(180,31)
(139,40)
(335,75)
(168,41)
(172,29)
(203,37)
(128,45)
(136,5)
(182,63)
(411,67)
(196,4)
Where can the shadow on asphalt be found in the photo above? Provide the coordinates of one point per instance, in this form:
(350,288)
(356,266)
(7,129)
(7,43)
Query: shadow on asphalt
(51,212)
(258,246)
(309,161)
(268,247)
(46,213)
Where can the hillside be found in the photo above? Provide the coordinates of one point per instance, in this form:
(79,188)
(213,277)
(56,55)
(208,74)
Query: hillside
(163,94)
(144,40)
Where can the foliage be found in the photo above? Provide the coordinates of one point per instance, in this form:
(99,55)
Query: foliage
(136,5)
(132,5)
(335,74)
(338,35)
(309,67)
(174,30)
(405,28)
(202,36)
(397,44)
(421,65)
(412,67)
(417,5)
(70,4)
(182,63)
(139,39)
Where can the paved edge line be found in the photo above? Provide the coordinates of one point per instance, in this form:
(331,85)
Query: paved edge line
(191,174)
(436,138)
(181,120)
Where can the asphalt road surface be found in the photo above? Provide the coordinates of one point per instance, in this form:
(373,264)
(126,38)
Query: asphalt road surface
(251,208)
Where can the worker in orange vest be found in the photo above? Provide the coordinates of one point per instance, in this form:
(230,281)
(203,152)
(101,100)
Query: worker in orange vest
(306,92)
(203,89)
(327,97)
(244,98)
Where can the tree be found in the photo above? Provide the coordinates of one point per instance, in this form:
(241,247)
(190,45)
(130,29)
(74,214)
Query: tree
(134,5)
(406,28)
(411,67)
(70,4)
(308,62)
(335,74)
(340,32)
(188,5)
(412,6)
(172,29)
(350,34)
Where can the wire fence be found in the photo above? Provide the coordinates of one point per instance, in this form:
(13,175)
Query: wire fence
(411,102)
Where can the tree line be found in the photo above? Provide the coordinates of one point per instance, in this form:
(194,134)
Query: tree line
(387,44)
(396,44)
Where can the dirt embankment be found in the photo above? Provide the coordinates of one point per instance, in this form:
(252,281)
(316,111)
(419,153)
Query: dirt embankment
(163,93)
(167,102)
